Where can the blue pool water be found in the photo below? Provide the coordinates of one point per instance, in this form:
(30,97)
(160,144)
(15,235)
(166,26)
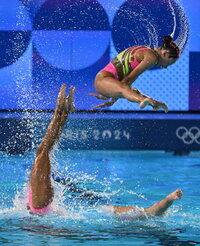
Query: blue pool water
(103,177)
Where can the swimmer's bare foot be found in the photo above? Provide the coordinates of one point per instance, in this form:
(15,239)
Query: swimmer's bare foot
(69,104)
(99,96)
(155,104)
(177,194)
(60,103)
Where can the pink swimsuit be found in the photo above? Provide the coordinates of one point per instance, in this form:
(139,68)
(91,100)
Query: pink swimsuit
(111,69)
(121,65)
(40,211)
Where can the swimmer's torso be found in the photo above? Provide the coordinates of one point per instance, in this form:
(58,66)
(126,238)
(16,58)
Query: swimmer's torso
(126,61)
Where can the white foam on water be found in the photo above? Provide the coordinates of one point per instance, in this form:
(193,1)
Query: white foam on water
(59,208)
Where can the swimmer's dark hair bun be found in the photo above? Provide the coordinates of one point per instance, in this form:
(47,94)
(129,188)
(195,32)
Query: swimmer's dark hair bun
(167,40)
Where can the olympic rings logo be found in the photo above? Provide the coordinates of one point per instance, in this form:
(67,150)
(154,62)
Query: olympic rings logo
(188,136)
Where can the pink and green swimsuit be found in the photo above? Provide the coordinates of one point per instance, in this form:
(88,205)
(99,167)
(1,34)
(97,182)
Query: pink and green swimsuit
(122,65)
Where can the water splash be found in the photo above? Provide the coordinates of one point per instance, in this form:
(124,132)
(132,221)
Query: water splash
(181,39)
(174,18)
(184,32)
(147,22)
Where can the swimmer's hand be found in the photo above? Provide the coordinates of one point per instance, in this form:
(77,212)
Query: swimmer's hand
(106,104)
(70,107)
(155,104)
(99,96)
(161,105)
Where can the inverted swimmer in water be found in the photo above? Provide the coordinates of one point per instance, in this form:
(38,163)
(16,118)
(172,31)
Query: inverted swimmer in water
(115,80)
(41,191)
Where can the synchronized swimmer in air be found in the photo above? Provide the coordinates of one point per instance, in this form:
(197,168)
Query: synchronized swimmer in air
(115,80)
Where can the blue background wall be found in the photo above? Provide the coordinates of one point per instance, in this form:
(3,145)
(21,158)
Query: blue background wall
(45,43)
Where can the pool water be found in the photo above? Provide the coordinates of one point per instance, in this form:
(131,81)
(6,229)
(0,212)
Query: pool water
(96,179)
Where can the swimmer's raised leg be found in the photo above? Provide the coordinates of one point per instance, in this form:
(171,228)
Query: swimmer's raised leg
(156,209)
(40,177)
(159,208)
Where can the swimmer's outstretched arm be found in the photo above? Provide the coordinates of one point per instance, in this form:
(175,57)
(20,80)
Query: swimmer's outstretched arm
(106,104)
(40,177)
(157,208)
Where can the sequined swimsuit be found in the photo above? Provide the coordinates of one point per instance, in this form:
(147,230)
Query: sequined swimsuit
(123,63)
